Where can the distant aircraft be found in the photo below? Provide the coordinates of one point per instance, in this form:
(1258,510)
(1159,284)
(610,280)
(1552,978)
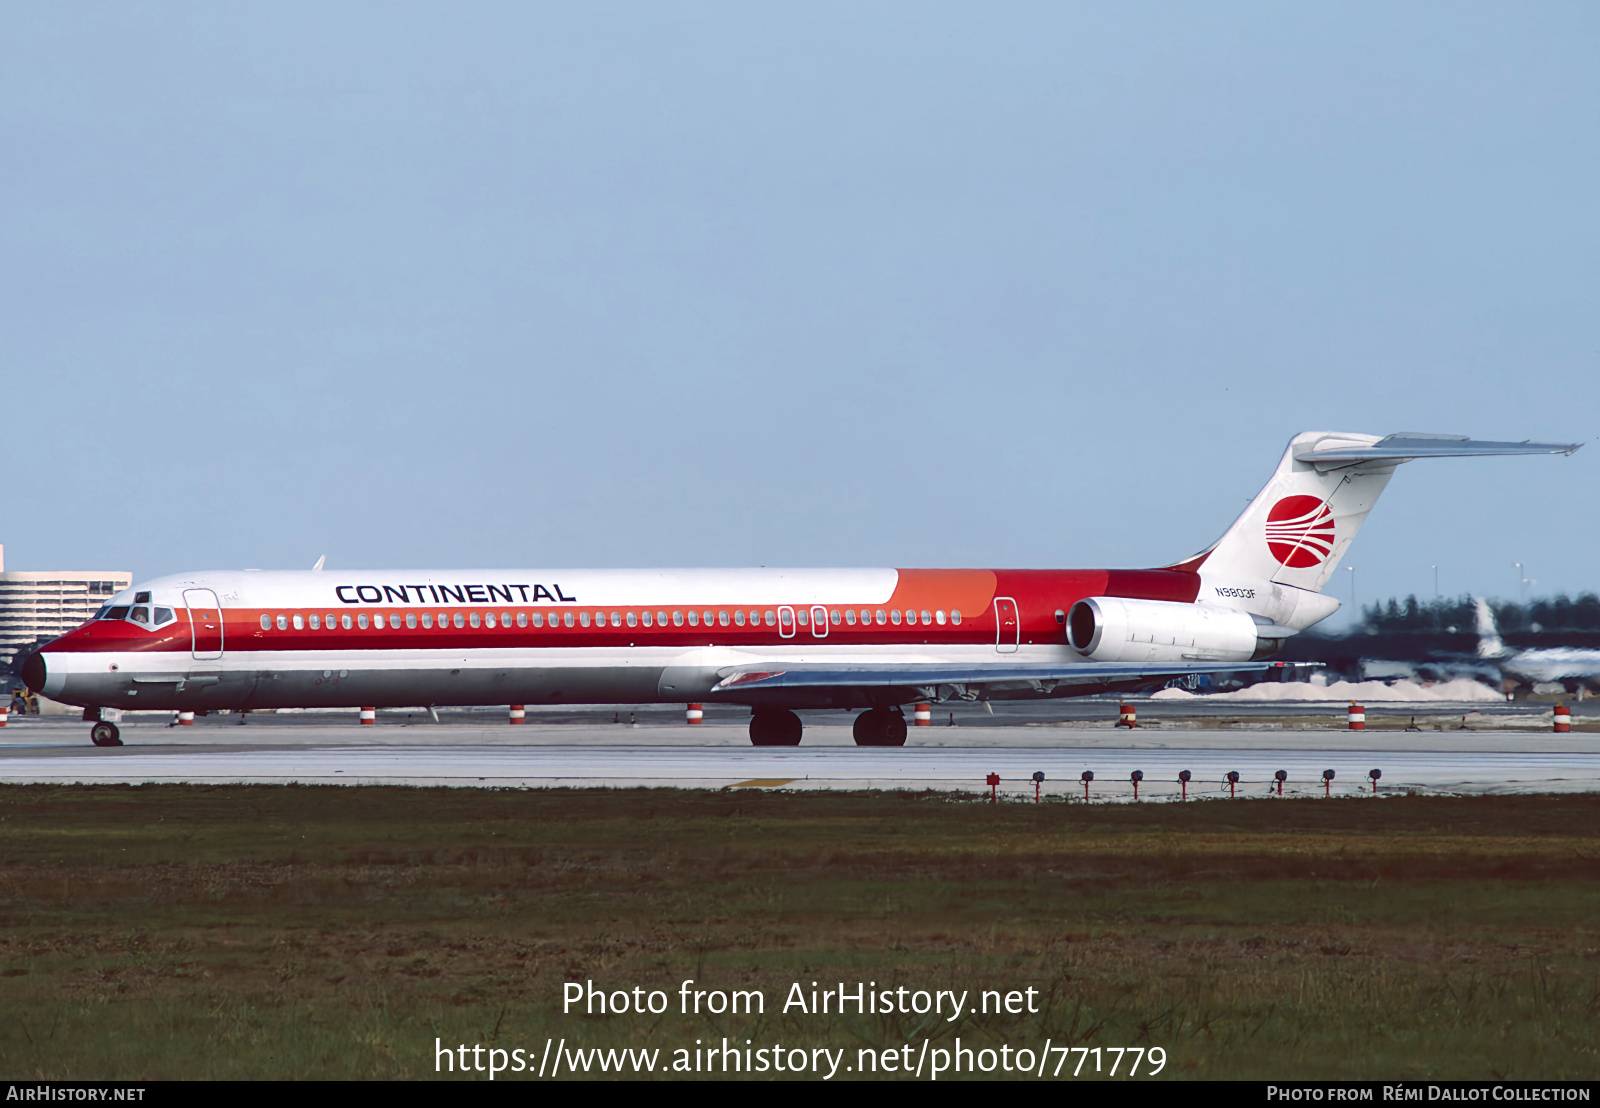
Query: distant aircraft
(1556,663)
(772,639)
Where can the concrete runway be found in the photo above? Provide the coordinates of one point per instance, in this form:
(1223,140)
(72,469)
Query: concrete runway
(475,752)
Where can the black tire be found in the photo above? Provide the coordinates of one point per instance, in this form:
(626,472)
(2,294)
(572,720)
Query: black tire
(879,727)
(871,728)
(105,734)
(775,727)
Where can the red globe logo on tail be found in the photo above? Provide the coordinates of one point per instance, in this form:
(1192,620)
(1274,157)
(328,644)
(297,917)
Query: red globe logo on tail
(1300,531)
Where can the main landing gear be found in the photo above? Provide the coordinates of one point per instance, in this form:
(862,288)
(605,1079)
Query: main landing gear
(105,734)
(874,727)
(775,727)
(880,727)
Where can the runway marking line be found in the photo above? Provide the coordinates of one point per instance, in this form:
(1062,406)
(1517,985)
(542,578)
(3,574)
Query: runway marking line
(762,783)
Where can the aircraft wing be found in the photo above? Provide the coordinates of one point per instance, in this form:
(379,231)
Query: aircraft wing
(974,682)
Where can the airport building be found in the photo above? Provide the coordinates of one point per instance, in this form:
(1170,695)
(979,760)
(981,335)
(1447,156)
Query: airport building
(39,605)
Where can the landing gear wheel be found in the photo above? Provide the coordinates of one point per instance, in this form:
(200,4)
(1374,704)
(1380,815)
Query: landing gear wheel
(775,727)
(105,734)
(880,727)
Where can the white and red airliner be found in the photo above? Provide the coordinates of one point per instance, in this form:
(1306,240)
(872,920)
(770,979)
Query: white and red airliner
(773,639)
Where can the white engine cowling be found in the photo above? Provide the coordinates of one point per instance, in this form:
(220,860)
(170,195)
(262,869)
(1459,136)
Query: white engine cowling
(1114,629)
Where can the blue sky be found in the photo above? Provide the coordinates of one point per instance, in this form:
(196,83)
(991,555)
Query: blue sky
(726,284)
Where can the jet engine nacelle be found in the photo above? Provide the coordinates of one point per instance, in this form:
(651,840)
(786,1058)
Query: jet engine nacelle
(1114,629)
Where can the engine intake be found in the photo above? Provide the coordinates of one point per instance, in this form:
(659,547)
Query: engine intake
(1115,629)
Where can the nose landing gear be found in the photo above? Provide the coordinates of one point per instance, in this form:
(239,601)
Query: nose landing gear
(105,734)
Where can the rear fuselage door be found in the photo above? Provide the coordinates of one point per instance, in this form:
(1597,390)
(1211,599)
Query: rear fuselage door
(1008,628)
(205,623)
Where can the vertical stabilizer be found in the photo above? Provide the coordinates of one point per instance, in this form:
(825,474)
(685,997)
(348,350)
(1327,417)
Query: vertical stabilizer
(1489,642)
(1298,527)
(1281,552)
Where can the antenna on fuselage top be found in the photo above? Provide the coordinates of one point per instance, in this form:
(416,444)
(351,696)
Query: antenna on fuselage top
(320,562)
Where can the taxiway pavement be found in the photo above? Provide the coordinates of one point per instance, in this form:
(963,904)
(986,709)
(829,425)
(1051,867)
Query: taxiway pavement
(463,751)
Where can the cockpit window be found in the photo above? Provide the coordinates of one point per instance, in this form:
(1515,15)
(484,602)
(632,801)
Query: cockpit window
(141,598)
(149,617)
(120,612)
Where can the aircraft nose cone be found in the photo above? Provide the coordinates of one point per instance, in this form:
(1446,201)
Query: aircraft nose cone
(34,673)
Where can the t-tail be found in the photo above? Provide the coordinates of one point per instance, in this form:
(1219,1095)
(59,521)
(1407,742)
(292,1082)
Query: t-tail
(1279,555)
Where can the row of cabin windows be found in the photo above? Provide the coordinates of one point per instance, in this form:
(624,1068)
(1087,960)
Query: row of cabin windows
(379,620)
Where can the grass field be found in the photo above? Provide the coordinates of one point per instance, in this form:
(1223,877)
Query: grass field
(245,932)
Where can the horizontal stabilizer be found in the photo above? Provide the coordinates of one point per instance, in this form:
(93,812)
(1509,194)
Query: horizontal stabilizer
(1408,445)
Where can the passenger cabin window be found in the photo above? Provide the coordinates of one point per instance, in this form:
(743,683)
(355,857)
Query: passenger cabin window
(633,619)
(346,622)
(283,622)
(694,619)
(955,615)
(850,616)
(266,623)
(522,619)
(427,619)
(538,619)
(316,621)
(361,620)
(299,622)
(583,618)
(411,619)
(738,617)
(677,619)
(894,616)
